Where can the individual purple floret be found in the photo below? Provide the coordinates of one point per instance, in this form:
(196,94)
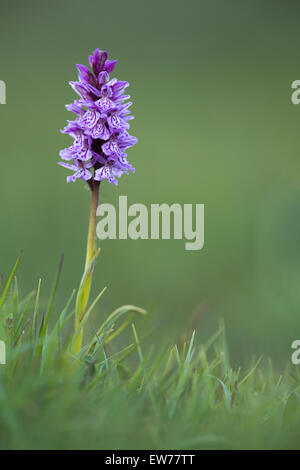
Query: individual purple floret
(100,130)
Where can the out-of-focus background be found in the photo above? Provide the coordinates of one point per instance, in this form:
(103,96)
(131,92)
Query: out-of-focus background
(211,85)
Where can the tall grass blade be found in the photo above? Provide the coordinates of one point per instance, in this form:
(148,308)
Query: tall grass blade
(10,279)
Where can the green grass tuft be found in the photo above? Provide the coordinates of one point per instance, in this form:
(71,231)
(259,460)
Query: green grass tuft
(109,397)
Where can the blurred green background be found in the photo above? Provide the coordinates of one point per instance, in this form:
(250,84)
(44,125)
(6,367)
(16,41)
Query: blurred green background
(211,85)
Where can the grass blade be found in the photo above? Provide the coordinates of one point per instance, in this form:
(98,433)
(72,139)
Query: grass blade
(10,279)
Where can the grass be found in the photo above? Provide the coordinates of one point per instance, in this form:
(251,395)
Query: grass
(110,397)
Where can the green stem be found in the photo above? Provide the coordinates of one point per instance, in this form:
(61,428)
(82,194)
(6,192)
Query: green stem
(90,252)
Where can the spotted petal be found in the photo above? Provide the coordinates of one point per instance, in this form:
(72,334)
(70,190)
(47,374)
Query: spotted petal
(100,131)
(89,119)
(126,140)
(84,154)
(79,141)
(105,104)
(116,122)
(125,165)
(82,173)
(105,173)
(111,148)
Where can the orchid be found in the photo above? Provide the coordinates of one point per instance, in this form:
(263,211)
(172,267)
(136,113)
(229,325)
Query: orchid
(100,129)
(100,133)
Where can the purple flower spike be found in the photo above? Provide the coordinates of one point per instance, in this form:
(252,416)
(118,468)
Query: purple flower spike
(100,130)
